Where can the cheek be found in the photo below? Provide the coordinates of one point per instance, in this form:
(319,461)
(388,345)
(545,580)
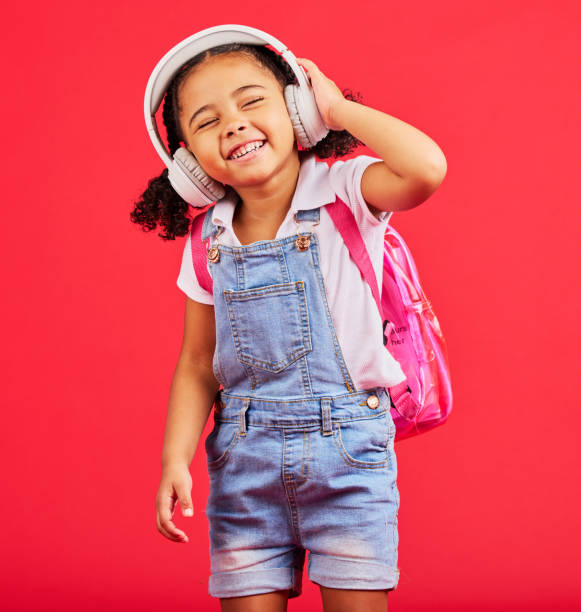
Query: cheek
(205,150)
(209,159)
(283,129)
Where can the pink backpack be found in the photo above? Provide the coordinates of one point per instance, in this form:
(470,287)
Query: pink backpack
(411,331)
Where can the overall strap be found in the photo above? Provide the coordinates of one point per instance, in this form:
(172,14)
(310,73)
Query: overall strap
(346,225)
(311,214)
(202,230)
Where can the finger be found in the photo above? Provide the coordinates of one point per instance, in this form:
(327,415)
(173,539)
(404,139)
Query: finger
(166,500)
(169,535)
(307,63)
(165,506)
(185,500)
(167,527)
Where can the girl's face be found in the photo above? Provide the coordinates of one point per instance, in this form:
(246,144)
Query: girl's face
(229,100)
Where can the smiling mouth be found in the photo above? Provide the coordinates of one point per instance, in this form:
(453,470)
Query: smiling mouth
(255,147)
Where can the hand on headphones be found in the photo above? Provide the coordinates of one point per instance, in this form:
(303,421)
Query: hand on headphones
(327,94)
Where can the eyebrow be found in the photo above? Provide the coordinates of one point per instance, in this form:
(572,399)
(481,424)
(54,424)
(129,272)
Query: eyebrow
(207,106)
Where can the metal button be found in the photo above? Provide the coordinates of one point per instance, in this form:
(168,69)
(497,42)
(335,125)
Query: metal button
(373,401)
(214,254)
(303,242)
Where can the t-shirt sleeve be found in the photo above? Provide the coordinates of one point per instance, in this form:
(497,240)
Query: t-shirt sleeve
(345,177)
(187,279)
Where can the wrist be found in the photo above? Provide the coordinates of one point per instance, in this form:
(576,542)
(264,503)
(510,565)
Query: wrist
(339,113)
(173,462)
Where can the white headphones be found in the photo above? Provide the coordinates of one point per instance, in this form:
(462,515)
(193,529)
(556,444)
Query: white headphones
(185,174)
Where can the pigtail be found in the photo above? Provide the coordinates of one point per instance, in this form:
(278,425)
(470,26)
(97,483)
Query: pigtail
(160,204)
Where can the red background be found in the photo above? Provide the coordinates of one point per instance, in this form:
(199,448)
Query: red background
(92,317)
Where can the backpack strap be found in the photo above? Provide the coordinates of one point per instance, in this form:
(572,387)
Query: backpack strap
(346,225)
(199,237)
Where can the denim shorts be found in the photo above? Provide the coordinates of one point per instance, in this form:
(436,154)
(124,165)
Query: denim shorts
(287,476)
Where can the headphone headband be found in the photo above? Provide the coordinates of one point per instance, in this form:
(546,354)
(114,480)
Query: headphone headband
(175,58)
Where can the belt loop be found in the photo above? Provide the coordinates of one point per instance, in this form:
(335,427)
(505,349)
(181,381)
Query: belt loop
(390,401)
(326,416)
(245,405)
(383,392)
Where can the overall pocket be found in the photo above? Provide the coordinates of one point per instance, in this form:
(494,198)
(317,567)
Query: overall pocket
(364,443)
(270,325)
(219,444)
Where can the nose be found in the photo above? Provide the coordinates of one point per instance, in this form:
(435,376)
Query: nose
(233,130)
(233,125)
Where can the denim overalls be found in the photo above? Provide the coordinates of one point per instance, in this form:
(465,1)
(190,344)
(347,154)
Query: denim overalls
(298,457)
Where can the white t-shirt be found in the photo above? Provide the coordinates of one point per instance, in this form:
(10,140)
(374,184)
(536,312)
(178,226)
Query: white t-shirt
(354,312)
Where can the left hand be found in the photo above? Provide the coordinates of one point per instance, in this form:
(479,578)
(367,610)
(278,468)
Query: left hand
(327,95)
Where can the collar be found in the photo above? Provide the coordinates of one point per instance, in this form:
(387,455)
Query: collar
(312,191)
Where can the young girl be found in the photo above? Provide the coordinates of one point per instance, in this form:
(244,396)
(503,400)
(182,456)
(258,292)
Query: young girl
(301,456)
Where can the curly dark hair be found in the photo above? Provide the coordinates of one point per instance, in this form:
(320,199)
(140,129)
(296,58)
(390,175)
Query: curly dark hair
(160,203)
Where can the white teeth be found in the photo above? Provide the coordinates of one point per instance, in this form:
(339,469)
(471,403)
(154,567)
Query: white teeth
(246,149)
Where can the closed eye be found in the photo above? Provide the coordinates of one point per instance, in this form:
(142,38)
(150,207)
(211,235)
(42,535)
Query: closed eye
(247,103)
(205,124)
(252,101)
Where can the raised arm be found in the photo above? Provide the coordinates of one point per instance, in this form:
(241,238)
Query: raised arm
(413,164)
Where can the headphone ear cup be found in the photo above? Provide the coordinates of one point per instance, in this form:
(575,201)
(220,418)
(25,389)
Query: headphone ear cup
(191,182)
(307,122)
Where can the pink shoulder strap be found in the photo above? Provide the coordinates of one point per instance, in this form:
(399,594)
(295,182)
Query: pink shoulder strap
(346,225)
(199,253)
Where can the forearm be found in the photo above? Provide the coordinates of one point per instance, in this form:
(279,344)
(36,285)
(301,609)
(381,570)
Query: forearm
(407,151)
(192,395)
